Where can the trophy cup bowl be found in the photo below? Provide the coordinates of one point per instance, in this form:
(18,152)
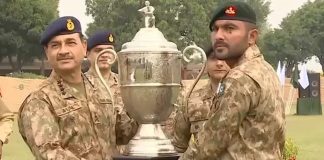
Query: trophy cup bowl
(149,75)
(149,72)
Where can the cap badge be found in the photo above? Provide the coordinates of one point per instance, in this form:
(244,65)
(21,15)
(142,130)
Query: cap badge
(70,25)
(110,38)
(230,11)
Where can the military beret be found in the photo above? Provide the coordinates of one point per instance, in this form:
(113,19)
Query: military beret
(62,25)
(234,10)
(99,38)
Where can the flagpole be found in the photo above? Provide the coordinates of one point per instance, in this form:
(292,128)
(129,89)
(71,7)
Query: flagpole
(290,99)
(293,97)
(295,82)
(287,106)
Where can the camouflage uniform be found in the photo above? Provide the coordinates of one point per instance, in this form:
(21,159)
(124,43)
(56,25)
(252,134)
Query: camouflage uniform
(57,123)
(6,121)
(123,118)
(168,125)
(190,119)
(247,119)
(178,126)
(113,86)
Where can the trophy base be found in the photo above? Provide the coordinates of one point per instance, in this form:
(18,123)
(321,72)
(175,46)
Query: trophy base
(150,141)
(175,157)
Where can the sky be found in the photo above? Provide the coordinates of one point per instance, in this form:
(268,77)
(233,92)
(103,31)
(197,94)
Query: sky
(77,9)
(279,10)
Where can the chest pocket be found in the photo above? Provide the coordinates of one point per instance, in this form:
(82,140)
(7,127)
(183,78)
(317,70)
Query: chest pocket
(106,114)
(197,117)
(103,101)
(103,97)
(74,123)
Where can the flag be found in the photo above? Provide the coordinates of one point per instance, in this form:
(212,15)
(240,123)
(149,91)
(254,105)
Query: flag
(303,80)
(295,77)
(282,75)
(279,69)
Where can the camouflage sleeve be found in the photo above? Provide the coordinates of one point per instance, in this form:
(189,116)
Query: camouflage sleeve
(181,125)
(182,133)
(41,132)
(168,125)
(6,121)
(126,128)
(219,130)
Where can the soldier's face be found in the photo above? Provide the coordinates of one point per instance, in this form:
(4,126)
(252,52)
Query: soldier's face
(229,39)
(216,68)
(66,52)
(103,59)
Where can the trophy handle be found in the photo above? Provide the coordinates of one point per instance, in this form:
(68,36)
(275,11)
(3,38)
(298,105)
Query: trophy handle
(191,58)
(110,62)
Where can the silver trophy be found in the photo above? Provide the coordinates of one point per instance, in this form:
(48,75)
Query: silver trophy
(149,75)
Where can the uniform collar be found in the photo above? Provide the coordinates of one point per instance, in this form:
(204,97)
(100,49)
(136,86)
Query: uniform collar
(92,75)
(250,53)
(65,90)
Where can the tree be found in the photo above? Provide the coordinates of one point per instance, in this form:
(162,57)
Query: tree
(301,35)
(181,21)
(21,24)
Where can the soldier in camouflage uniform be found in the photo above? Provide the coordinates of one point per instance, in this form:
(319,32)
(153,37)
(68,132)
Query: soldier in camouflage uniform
(67,117)
(6,121)
(96,43)
(247,118)
(189,119)
(168,125)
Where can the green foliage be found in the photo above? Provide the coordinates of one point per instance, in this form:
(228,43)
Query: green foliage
(21,24)
(291,150)
(181,22)
(301,35)
(25,75)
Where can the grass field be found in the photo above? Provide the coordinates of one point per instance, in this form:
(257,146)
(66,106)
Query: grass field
(16,149)
(306,131)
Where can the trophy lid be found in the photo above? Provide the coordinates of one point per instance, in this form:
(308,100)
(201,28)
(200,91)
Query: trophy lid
(149,38)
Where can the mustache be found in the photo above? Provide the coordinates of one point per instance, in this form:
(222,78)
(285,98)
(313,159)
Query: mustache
(220,43)
(63,57)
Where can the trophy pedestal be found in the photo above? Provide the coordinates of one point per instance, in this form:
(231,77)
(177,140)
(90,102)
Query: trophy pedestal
(150,142)
(175,157)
